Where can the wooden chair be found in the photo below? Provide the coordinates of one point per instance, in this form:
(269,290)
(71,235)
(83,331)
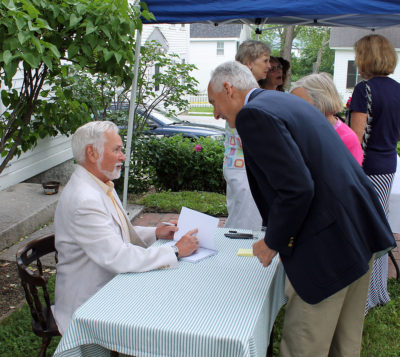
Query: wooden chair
(33,280)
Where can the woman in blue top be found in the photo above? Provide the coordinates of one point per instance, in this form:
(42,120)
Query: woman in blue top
(375,118)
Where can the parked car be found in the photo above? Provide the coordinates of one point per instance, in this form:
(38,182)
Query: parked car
(160,123)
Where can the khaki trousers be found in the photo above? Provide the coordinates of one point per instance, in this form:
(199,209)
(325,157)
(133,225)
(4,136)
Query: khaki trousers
(331,328)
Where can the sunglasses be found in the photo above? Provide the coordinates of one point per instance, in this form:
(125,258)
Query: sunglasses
(275,68)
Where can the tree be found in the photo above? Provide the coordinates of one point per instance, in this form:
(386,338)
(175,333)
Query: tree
(172,79)
(40,37)
(106,96)
(315,54)
(306,47)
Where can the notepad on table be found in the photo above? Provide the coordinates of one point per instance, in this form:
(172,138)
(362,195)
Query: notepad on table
(245,252)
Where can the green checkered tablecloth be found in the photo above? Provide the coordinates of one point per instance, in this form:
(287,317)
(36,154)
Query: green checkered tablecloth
(224,305)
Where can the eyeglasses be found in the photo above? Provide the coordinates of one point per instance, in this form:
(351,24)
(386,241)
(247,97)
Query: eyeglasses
(275,68)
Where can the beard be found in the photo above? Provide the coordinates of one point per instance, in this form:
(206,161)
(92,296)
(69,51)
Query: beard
(111,175)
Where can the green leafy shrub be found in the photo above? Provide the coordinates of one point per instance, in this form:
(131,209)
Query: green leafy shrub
(177,164)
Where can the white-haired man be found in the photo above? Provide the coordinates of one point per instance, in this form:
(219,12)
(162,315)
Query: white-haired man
(322,212)
(94,238)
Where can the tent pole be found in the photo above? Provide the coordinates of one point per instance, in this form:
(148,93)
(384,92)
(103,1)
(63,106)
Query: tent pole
(131,116)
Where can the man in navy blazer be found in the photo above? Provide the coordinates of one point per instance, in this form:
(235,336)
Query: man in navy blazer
(322,213)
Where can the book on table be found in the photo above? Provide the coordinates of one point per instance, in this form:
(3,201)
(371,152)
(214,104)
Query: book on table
(207,225)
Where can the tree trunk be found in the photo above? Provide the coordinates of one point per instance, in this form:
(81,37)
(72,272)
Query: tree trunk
(317,64)
(286,50)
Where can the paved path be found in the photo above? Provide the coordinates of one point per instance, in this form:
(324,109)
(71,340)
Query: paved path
(152,219)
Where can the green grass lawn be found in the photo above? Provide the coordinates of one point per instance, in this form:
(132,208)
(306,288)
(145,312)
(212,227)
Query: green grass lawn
(207,111)
(381,336)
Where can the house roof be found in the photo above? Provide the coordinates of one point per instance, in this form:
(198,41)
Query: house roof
(211,31)
(158,36)
(347,36)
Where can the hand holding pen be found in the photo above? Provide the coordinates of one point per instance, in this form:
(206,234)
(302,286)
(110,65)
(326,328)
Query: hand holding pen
(166,230)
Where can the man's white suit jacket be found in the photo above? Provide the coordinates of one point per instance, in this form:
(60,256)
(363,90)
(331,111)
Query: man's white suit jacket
(91,245)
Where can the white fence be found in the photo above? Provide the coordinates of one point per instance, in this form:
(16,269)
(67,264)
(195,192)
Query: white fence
(199,101)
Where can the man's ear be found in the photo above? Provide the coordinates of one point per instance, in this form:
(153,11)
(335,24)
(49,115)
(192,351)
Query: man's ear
(227,88)
(91,154)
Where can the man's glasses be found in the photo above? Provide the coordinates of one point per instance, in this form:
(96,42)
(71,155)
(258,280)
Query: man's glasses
(275,68)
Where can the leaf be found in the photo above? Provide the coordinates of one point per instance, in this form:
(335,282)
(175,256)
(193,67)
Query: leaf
(74,20)
(90,27)
(107,54)
(10,69)
(7,57)
(23,36)
(32,11)
(31,59)
(48,62)
(42,23)
(106,31)
(31,27)
(86,50)
(117,56)
(9,4)
(37,44)
(52,48)
(80,9)
(72,50)
(21,22)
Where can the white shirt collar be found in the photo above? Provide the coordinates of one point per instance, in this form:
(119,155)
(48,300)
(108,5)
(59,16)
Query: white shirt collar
(246,99)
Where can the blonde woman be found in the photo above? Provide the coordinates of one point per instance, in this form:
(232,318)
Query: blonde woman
(375,117)
(320,91)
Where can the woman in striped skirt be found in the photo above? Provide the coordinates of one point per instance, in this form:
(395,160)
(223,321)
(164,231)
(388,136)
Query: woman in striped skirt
(375,118)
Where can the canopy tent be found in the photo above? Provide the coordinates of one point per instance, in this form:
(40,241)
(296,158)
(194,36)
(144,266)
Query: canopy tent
(359,13)
(368,14)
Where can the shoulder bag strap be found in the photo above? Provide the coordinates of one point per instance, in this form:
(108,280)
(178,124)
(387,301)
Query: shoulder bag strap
(368,126)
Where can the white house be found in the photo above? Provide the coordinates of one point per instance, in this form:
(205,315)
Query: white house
(212,45)
(174,38)
(48,153)
(342,41)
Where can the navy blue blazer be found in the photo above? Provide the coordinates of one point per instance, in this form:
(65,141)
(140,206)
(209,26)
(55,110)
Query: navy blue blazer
(322,212)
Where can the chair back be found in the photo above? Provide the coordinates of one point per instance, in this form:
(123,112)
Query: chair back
(33,280)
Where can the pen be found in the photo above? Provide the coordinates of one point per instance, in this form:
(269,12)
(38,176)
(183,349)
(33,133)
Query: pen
(239,235)
(168,224)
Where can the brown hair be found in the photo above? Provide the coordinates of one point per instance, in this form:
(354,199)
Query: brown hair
(285,68)
(375,56)
(250,50)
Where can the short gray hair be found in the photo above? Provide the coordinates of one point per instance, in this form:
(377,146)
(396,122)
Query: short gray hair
(250,50)
(322,91)
(235,73)
(91,133)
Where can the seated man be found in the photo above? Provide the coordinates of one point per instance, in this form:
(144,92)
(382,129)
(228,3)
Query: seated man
(94,237)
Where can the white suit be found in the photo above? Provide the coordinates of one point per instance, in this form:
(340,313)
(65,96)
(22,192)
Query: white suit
(92,248)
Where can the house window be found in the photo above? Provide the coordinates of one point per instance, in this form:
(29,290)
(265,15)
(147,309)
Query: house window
(220,48)
(157,71)
(353,77)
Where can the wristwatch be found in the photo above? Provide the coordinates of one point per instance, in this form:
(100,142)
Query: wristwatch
(176,250)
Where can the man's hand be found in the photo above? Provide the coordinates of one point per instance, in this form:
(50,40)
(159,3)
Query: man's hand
(263,253)
(166,232)
(188,244)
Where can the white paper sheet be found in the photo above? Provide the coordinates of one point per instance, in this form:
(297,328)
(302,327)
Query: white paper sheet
(207,225)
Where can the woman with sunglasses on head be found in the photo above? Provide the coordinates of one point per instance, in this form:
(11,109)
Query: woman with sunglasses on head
(277,74)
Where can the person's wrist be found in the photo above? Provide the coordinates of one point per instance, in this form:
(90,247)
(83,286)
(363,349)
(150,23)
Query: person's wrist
(176,251)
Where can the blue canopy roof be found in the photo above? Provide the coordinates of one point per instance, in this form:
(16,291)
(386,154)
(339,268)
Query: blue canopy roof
(359,13)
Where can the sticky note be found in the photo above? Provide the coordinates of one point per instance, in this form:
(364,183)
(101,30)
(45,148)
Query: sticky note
(245,252)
